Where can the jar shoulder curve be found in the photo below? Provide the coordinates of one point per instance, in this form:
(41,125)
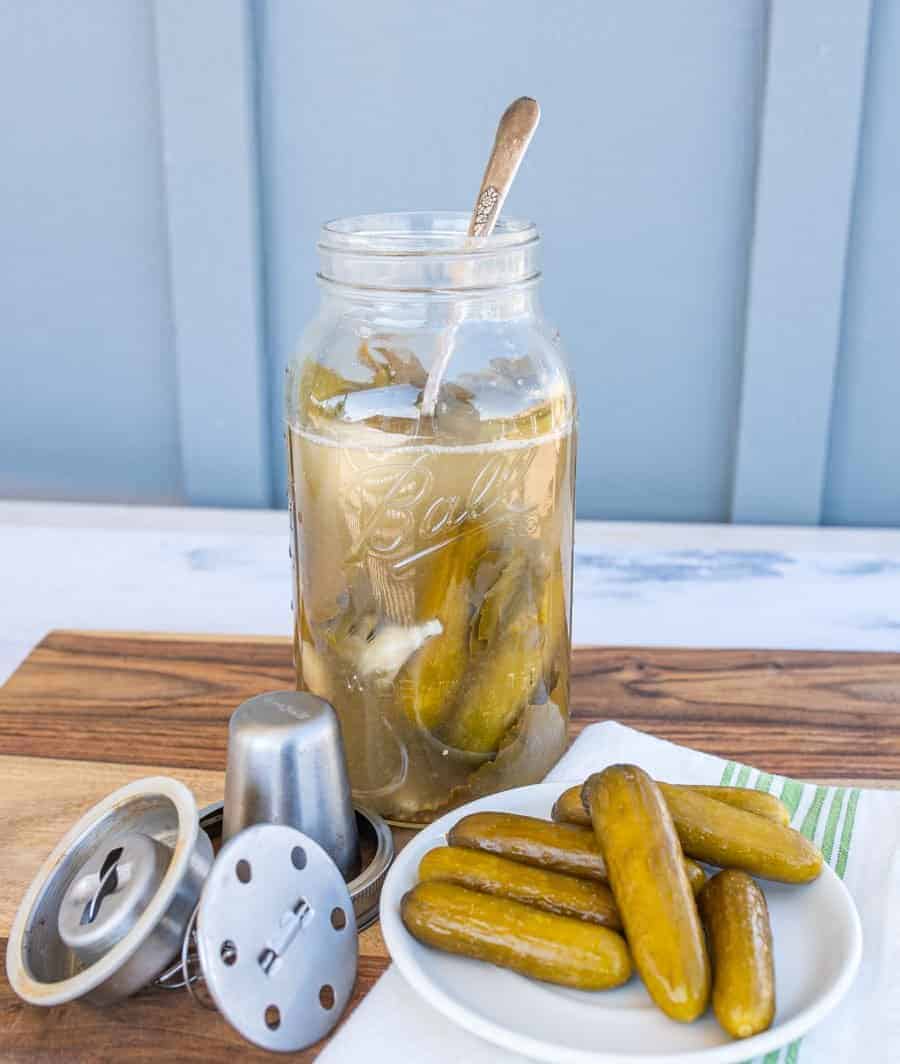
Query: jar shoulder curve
(351,364)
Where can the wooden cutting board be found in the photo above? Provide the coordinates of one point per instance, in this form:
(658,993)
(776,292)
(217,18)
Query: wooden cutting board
(88,712)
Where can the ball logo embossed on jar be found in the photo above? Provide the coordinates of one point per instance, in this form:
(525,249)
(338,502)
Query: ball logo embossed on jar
(396,524)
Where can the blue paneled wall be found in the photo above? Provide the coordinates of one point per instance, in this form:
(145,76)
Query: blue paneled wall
(863,481)
(88,403)
(166,167)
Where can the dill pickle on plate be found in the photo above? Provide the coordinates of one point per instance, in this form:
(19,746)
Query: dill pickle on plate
(729,830)
(567,848)
(736,918)
(569,808)
(652,892)
(764,805)
(554,892)
(723,835)
(562,847)
(542,945)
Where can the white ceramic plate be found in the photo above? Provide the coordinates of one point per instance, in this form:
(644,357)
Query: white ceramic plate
(813,971)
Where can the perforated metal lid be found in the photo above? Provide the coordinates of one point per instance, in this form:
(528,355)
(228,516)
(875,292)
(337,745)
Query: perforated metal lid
(276,937)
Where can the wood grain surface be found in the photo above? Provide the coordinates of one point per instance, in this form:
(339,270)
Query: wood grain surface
(88,712)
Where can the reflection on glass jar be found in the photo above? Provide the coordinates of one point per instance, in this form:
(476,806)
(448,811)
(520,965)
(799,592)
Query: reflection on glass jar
(433,550)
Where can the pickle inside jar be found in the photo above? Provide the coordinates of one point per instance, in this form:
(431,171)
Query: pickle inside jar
(506,656)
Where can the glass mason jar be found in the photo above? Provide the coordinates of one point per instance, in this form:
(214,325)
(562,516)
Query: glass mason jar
(431,447)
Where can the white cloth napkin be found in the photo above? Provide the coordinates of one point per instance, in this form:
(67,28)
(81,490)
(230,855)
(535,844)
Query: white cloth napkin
(859,832)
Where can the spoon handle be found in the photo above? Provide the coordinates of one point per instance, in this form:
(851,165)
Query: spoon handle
(514,133)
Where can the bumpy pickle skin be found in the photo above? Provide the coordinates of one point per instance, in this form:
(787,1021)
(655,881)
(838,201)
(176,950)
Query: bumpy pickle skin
(569,809)
(736,918)
(555,949)
(554,892)
(652,892)
(567,848)
(723,835)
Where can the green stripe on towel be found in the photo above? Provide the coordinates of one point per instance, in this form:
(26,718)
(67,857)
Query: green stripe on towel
(727,773)
(743,776)
(847,833)
(792,795)
(834,816)
(764,782)
(811,820)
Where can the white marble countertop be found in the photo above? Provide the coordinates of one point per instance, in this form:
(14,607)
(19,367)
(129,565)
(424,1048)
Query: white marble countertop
(195,570)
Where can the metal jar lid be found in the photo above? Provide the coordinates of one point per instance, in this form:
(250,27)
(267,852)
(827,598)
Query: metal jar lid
(276,937)
(376,848)
(110,905)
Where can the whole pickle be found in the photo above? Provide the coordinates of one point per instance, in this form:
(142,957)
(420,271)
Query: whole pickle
(556,949)
(652,892)
(561,847)
(766,805)
(736,918)
(569,809)
(723,835)
(565,848)
(554,892)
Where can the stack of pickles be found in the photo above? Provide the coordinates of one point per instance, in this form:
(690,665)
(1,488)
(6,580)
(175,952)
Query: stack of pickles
(612,884)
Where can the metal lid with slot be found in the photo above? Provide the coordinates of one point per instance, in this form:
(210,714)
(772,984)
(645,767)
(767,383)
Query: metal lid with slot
(276,937)
(111,904)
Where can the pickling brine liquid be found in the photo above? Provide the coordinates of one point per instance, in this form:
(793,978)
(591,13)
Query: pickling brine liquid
(432,606)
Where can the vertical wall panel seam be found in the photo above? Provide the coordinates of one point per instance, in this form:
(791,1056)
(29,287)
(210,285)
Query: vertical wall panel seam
(261,274)
(848,252)
(747,263)
(806,173)
(171,337)
(274,430)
